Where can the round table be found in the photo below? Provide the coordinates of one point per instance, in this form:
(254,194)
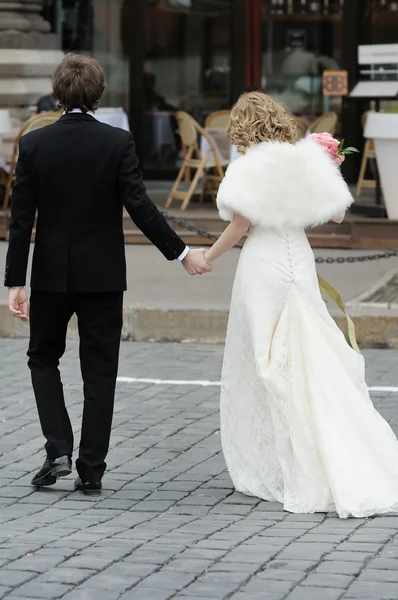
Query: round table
(113,116)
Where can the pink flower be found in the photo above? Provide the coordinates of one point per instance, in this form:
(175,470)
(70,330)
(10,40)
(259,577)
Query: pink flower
(321,138)
(333,148)
(331,145)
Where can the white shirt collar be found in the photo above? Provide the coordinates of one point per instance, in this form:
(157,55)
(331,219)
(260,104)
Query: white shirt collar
(77,110)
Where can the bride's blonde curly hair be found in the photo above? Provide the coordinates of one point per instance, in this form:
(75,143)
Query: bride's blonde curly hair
(257,117)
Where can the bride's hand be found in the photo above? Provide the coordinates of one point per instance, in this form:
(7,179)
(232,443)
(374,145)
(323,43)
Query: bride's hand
(195,263)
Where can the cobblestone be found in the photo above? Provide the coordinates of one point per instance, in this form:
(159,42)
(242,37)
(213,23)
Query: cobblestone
(169,525)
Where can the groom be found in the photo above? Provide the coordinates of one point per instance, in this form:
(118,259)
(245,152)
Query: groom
(78,174)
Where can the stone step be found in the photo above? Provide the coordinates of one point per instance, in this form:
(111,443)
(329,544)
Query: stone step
(354,233)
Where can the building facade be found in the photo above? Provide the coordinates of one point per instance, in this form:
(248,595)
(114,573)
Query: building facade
(199,55)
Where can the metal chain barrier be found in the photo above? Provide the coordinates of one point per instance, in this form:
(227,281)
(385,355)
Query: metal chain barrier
(352,259)
(319,260)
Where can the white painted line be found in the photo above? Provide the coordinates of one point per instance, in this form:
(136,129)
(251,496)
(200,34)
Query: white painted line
(204,383)
(168,381)
(385,388)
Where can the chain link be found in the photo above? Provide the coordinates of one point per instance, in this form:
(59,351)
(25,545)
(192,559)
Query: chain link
(319,259)
(185,225)
(352,259)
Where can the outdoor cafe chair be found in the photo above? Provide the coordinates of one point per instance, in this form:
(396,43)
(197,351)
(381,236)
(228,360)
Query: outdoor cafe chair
(369,154)
(196,161)
(325,123)
(301,127)
(218,119)
(35,122)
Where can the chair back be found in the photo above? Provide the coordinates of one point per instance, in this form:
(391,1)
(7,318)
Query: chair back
(325,123)
(190,130)
(35,122)
(301,127)
(39,121)
(187,128)
(218,119)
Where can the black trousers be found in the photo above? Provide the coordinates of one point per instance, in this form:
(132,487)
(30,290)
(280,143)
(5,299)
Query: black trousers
(99,318)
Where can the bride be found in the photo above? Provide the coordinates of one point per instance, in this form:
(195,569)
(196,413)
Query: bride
(297,423)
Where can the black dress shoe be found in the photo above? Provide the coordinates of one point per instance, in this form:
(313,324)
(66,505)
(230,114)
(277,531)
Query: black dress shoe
(90,488)
(52,469)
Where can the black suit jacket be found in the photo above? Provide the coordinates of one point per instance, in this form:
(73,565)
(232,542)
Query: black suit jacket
(78,174)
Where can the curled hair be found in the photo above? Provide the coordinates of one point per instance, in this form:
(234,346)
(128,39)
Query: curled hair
(257,117)
(79,82)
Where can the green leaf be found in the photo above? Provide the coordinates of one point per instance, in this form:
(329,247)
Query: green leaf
(351,149)
(341,145)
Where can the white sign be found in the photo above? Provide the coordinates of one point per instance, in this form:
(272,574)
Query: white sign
(375,89)
(379,54)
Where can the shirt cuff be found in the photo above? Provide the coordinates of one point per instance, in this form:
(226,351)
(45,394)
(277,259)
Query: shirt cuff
(183,255)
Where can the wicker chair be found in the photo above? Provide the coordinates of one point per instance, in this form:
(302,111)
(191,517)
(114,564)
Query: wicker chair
(301,126)
(369,154)
(35,122)
(325,123)
(193,160)
(218,119)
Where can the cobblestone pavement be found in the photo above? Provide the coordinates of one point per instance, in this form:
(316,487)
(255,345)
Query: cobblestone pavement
(169,524)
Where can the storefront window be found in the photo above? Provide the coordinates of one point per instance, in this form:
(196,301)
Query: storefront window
(93,27)
(385,22)
(301,39)
(187,68)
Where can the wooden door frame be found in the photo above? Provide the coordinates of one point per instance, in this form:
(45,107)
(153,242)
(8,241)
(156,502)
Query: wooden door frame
(253,43)
(134,33)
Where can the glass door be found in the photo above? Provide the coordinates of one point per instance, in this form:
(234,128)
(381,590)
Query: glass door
(187,67)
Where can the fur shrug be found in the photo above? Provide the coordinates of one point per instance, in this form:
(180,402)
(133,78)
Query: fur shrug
(281,185)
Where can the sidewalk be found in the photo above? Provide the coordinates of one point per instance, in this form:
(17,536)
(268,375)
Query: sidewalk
(164,303)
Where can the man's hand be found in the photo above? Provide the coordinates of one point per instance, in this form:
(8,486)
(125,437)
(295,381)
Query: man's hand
(18,303)
(194,262)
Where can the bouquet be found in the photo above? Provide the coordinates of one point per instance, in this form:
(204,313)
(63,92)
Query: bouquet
(333,147)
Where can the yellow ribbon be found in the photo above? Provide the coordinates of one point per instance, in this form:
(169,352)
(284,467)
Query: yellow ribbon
(326,287)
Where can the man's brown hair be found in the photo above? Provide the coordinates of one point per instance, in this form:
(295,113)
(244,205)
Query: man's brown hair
(79,82)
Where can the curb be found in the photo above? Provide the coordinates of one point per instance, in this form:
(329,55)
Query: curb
(164,325)
(374,330)
(377,330)
(144,325)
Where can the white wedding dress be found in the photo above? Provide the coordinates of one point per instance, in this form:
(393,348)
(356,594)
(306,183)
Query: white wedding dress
(297,423)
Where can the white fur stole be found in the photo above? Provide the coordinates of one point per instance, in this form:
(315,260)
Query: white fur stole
(281,185)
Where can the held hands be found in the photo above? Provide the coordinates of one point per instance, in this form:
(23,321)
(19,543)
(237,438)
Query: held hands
(194,262)
(18,303)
